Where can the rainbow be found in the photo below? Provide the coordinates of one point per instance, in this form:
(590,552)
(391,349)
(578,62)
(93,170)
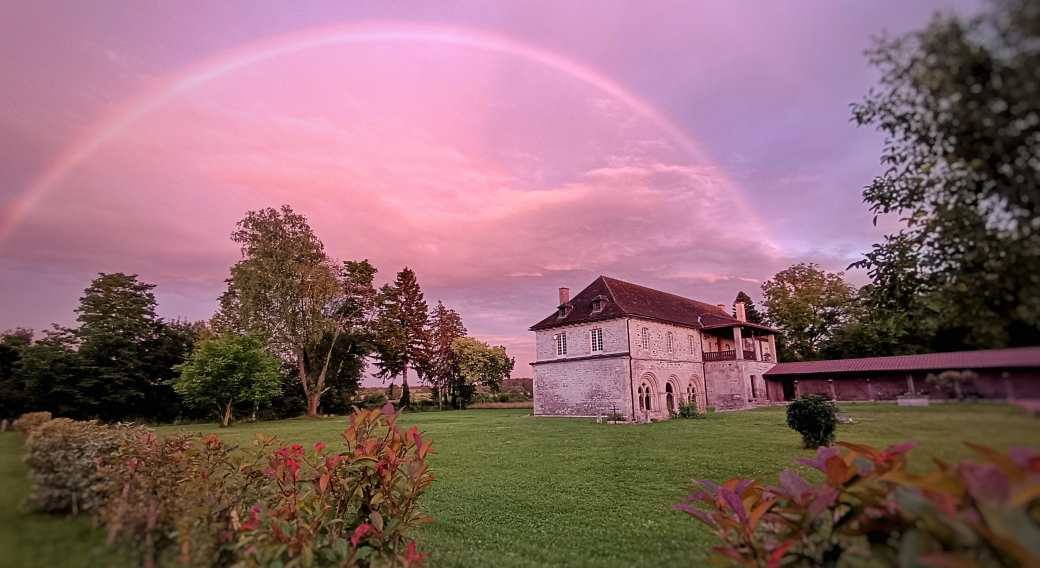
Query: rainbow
(125,114)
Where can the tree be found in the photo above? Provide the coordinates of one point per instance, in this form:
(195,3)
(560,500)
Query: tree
(14,399)
(445,327)
(55,376)
(227,370)
(957,102)
(118,341)
(285,288)
(809,305)
(750,311)
(401,329)
(406,397)
(481,364)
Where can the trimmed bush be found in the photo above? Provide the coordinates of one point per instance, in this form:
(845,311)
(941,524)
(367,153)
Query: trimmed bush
(30,421)
(62,457)
(812,416)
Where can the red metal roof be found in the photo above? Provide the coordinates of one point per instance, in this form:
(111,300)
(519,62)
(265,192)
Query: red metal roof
(626,299)
(989,359)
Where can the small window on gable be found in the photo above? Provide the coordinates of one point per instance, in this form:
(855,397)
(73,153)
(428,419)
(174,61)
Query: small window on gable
(597,340)
(644,341)
(561,343)
(670,347)
(562,312)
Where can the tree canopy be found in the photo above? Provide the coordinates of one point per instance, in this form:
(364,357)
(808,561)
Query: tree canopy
(226,370)
(958,103)
(808,304)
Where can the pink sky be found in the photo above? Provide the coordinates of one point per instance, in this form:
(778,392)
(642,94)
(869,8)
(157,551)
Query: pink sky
(499,149)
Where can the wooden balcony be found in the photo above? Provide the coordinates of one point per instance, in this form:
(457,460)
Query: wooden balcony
(720,356)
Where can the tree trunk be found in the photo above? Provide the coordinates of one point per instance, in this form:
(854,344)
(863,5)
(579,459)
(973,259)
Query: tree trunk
(227,414)
(313,399)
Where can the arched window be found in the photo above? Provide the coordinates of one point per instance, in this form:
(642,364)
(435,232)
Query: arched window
(645,339)
(670,347)
(669,398)
(642,402)
(691,394)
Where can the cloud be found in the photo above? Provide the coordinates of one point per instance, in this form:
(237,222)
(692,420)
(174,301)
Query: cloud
(394,173)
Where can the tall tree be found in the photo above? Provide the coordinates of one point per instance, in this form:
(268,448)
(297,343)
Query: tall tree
(958,101)
(403,337)
(118,331)
(809,305)
(445,327)
(14,398)
(348,351)
(750,310)
(285,288)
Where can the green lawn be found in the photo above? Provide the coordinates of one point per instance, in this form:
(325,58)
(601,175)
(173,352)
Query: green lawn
(513,490)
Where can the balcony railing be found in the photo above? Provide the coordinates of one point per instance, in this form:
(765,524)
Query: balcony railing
(720,356)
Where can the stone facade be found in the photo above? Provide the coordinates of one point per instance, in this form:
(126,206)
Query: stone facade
(645,369)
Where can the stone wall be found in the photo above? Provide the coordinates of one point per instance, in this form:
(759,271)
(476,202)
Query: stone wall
(579,343)
(993,384)
(585,387)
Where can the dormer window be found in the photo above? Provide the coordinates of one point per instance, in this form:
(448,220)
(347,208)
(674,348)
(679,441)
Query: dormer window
(597,305)
(562,312)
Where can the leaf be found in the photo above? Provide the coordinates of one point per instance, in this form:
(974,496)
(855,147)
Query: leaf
(377,520)
(708,485)
(758,512)
(778,554)
(1000,460)
(947,560)
(794,484)
(388,409)
(734,502)
(860,449)
(837,470)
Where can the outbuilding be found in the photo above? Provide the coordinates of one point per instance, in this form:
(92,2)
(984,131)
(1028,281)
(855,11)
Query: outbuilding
(994,374)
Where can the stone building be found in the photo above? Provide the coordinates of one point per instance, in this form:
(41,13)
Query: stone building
(1007,374)
(620,347)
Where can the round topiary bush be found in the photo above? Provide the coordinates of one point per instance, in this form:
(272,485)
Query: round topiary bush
(812,416)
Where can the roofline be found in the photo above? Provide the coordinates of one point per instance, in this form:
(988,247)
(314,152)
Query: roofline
(659,320)
(778,369)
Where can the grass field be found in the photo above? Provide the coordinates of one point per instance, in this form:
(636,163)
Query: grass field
(513,490)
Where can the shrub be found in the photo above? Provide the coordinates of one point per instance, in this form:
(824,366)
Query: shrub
(30,421)
(62,456)
(373,400)
(870,508)
(812,416)
(689,410)
(201,503)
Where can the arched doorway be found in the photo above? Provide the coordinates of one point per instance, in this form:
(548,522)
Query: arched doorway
(647,393)
(669,398)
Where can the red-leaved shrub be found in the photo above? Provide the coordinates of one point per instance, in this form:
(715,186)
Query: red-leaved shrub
(200,503)
(965,515)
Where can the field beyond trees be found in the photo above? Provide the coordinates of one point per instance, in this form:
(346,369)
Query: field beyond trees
(513,490)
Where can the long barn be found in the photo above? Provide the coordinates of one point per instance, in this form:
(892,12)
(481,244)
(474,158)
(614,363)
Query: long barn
(998,374)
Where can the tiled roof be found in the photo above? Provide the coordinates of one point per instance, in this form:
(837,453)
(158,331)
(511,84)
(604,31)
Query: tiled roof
(991,359)
(627,299)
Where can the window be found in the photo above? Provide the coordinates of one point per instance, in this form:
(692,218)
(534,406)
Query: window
(670,342)
(561,343)
(563,312)
(642,401)
(645,339)
(597,305)
(597,340)
(692,346)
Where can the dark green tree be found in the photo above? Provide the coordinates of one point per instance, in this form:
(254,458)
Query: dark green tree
(958,101)
(444,376)
(55,377)
(118,340)
(402,333)
(14,398)
(750,310)
(406,397)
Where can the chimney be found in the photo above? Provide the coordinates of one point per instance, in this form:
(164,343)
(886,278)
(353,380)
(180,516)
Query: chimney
(565,295)
(741,314)
(722,307)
